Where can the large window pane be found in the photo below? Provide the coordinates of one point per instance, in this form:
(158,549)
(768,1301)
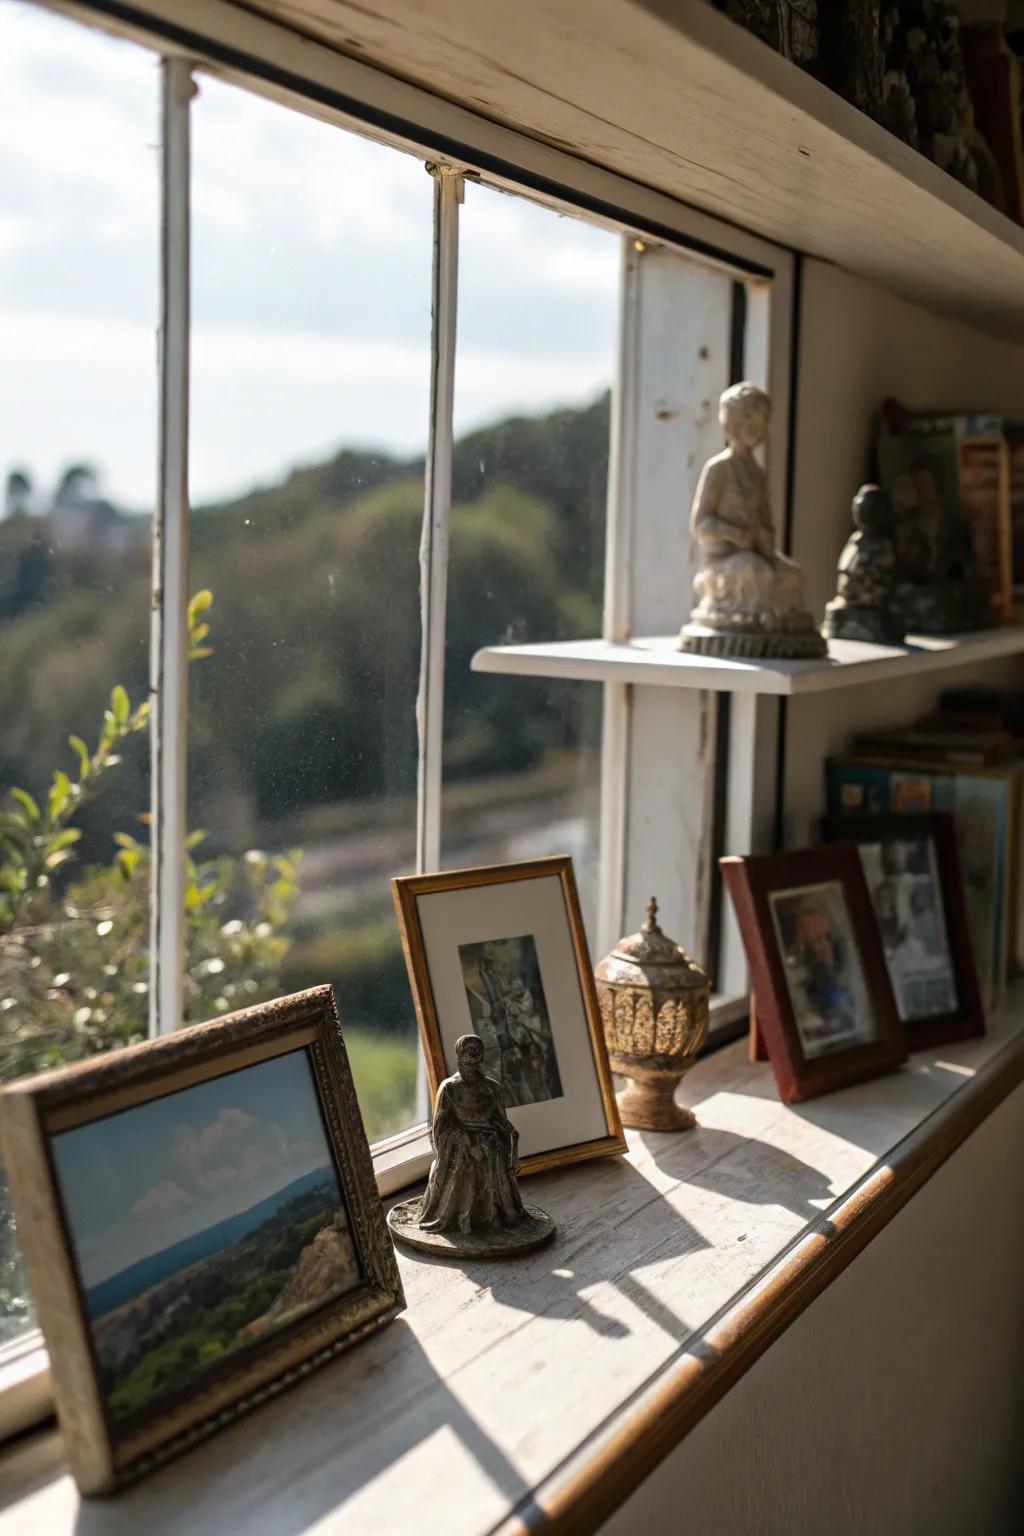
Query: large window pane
(311,331)
(78,314)
(537,327)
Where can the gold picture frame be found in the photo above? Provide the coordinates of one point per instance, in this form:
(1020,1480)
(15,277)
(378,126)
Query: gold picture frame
(443,949)
(155,1100)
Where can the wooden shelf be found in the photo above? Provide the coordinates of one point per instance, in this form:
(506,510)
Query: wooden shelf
(655,662)
(679,98)
(535,1395)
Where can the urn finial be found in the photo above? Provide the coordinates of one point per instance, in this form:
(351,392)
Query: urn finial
(652,916)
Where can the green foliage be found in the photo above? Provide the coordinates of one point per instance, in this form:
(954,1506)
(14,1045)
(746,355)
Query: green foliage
(195,1317)
(73,954)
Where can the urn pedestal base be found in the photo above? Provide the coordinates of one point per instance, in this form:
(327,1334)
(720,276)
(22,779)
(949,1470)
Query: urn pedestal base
(648,1103)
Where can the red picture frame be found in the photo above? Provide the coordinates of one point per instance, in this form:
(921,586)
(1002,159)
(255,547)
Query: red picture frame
(967,1019)
(828,1017)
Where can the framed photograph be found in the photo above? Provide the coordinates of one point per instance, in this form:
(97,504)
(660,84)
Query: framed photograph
(201,1226)
(913,875)
(825,1006)
(985,806)
(501,953)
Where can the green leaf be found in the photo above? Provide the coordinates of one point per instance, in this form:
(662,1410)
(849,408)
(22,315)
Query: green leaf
(119,705)
(63,839)
(84,758)
(200,653)
(27,803)
(199,603)
(194,839)
(123,840)
(60,794)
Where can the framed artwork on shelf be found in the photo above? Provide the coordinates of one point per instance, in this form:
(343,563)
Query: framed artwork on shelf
(825,1006)
(501,953)
(912,871)
(985,806)
(201,1226)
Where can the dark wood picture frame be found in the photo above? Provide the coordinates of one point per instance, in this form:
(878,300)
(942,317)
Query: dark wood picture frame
(35,1110)
(751,882)
(967,1020)
(407,891)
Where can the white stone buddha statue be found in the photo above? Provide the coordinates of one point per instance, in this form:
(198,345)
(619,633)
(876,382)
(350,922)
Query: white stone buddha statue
(750,598)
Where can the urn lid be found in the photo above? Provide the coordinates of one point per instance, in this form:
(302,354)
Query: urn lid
(651,959)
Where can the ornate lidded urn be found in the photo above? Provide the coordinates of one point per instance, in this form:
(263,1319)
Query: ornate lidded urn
(654,1008)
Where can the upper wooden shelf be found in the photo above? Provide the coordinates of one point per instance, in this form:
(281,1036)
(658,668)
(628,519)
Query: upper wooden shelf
(655,661)
(675,96)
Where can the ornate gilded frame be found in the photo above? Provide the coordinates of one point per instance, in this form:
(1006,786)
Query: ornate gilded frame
(406,891)
(33,1110)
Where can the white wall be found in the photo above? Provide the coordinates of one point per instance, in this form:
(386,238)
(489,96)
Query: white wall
(857,345)
(894,1406)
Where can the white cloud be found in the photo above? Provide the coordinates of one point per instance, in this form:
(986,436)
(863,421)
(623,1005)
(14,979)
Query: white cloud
(311,279)
(162,1201)
(233,1149)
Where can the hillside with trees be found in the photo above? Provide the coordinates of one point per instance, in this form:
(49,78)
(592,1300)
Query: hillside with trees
(302,736)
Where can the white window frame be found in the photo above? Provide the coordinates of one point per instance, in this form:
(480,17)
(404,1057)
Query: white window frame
(196,37)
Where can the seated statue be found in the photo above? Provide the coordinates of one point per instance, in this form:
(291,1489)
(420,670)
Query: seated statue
(472,1206)
(473,1179)
(750,597)
(863,607)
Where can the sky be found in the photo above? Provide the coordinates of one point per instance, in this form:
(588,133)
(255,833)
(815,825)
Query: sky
(136,1182)
(311,280)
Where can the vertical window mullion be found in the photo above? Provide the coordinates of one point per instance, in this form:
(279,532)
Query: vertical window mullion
(169,632)
(448,192)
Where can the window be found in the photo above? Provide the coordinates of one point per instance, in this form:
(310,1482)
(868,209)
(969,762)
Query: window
(533,356)
(79,304)
(308,425)
(534,367)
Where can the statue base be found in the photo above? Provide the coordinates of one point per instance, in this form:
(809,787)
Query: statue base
(497,1242)
(752,644)
(876,626)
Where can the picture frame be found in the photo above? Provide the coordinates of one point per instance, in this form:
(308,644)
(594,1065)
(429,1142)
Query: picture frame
(235,1147)
(985,805)
(913,874)
(502,952)
(825,1006)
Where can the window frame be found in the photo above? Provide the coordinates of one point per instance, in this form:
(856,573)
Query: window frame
(193,38)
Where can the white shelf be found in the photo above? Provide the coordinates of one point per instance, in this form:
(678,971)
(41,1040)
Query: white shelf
(680,99)
(655,662)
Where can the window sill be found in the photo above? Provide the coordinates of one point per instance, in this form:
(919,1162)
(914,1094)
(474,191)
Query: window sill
(538,1394)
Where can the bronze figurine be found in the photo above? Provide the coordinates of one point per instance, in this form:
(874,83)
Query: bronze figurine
(864,607)
(472,1208)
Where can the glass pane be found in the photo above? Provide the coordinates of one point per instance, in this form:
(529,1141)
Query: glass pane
(78,315)
(311,328)
(537,335)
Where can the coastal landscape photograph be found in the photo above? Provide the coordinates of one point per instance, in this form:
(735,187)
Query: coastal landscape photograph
(201,1223)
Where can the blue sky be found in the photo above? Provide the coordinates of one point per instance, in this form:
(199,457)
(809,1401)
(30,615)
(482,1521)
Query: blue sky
(135,1182)
(311,279)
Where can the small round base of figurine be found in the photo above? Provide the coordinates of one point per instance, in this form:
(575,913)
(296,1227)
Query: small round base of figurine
(796,644)
(849,621)
(495,1241)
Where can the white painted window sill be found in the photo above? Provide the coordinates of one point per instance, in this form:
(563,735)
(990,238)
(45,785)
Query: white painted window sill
(503,1392)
